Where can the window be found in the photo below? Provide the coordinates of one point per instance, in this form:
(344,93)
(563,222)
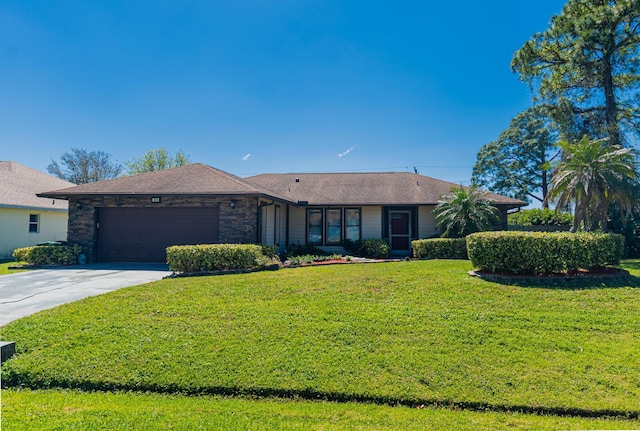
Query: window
(352,224)
(334,226)
(315,226)
(330,226)
(34,223)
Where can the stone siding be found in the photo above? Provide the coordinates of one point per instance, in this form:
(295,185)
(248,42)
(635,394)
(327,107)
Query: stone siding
(237,225)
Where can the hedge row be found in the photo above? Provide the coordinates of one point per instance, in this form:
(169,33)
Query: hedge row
(537,253)
(440,248)
(540,217)
(214,257)
(48,254)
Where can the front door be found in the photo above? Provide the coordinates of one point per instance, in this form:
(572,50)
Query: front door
(400,232)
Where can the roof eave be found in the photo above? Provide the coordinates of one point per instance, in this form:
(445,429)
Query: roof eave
(68,196)
(33,207)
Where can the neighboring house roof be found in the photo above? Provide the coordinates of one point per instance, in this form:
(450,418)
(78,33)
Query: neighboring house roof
(19,186)
(380,188)
(195,180)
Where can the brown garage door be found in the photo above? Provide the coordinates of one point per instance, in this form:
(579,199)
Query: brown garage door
(143,234)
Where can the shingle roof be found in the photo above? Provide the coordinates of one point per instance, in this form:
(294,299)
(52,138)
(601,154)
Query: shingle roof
(19,185)
(380,188)
(194,179)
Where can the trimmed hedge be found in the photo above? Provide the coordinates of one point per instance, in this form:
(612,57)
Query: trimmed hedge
(214,257)
(48,254)
(440,248)
(537,253)
(369,248)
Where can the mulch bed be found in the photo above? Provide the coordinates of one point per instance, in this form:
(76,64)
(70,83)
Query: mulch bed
(596,275)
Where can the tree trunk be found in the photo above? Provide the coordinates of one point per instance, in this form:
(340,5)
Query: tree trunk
(544,187)
(611,105)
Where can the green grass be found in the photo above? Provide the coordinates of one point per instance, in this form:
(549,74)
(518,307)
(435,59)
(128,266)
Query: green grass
(5,264)
(407,333)
(60,409)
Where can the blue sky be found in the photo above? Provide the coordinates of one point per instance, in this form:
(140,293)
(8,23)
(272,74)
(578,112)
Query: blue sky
(264,86)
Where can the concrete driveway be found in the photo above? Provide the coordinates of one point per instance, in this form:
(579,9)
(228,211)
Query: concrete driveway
(25,293)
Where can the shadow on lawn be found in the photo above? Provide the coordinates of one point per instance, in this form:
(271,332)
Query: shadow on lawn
(337,397)
(632,281)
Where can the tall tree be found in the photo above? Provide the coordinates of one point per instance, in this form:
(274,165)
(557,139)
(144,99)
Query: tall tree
(588,60)
(591,176)
(464,211)
(518,163)
(81,166)
(157,160)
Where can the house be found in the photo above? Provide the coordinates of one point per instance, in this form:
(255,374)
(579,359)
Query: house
(26,219)
(135,218)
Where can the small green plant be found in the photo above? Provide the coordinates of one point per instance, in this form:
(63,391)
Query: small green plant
(270,250)
(310,258)
(369,248)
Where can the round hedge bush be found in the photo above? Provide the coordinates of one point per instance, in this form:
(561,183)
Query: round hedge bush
(538,253)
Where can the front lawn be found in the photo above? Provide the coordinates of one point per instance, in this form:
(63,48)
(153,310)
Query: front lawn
(408,333)
(62,409)
(5,264)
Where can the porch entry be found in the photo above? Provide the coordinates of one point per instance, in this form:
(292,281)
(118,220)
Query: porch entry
(400,231)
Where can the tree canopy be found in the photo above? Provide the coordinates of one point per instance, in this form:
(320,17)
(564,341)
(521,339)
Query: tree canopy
(587,62)
(81,166)
(518,163)
(157,160)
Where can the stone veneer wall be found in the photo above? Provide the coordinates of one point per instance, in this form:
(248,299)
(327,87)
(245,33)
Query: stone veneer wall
(239,225)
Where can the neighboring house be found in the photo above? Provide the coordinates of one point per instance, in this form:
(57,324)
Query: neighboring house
(135,218)
(26,219)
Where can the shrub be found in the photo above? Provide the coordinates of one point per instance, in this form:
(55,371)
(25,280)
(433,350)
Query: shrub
(306,249)
(213,257)
(537,253)
(269,250)
(440,248)
(48,254)
(540,217)
(310,258)
(374,248)
(369,248)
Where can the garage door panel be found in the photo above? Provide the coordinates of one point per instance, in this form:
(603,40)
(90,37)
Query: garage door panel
(143,234)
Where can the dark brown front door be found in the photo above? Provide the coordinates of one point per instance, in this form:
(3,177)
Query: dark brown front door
(400,233)
(143,234)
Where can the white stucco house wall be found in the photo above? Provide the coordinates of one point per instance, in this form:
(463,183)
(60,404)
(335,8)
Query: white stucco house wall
(26,219)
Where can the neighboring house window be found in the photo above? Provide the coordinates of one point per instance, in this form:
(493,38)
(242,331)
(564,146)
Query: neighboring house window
(352,224)
(315,226)
(334,226)
(34,223)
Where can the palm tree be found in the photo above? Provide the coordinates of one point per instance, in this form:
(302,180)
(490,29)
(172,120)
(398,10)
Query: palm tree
(591,175)
(464,211)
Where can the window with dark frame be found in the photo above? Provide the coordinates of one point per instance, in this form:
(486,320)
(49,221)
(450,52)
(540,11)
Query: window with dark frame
(334,226)
(34,223)
(330,226)
(352,224)
(315,222)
